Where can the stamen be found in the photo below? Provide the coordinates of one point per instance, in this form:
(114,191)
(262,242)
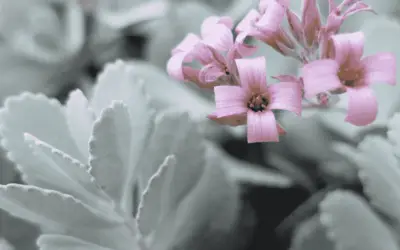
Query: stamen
(258,103)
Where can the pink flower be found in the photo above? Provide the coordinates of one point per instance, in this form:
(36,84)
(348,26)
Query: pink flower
(216,51)
(346,71)
(253,101)
(266,25)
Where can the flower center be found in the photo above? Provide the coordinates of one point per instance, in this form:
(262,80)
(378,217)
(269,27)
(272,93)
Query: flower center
(257,103)
(349,77)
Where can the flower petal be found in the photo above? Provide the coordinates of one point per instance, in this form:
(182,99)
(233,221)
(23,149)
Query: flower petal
(320,76)
(186,44)
(210,22)
(242,48)
(286,96)
(380,68)
(347,48)
(246,24)
(311,21)
(261,127)
(229,100)
(272,19)
(219,37)
(233,120)
(210,73)
(252,74)
(362,107)
(175,64)
(295,25)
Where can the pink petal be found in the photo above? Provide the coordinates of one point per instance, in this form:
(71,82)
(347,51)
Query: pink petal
(261,127)
(311,21)
(320,76)
(362,107)
(252,74)
(175,64)
(210,22)
(380,68)
(286,96)
(242,48)
(186,44)
(220,38)
(233,120)
(210,73)
(356,8)
(247,23)
(272,19)
(347,48)
(295,25)
(229,100)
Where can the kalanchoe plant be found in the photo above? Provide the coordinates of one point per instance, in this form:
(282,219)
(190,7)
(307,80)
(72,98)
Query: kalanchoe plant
(83,163)
(333,64)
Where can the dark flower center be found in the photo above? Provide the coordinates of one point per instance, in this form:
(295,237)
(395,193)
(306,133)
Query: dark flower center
(257,103)
(349,77)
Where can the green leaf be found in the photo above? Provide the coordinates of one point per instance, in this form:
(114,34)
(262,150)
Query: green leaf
(73,176)
(50,208)
(157,82)
(174,134)
(380,175)
(154,202)
(63,242)
(353,225)
(209,212)
(110,150)
(311,234)
(80,119)
(246,173)
(41,117)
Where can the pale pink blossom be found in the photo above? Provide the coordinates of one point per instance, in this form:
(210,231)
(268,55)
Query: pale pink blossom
(265,24)
(253,101)
(216,51)
(345,70)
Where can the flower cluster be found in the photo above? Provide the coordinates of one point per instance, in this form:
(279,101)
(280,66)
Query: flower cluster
(332,64)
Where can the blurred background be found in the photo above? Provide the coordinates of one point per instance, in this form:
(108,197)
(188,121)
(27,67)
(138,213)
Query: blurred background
(55,46)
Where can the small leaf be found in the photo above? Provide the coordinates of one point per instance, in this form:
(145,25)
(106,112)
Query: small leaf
(41,117)
(73,177)
(175,134)
(157,82)
(63,242)
(246,173)
(310,234)
(380,174)
(80,119)
(353,225)
(209,212)
(50,208)
(110,150)
(154,200)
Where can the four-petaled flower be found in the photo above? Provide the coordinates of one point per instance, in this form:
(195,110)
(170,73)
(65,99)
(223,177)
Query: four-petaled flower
(253,101)
(345,70)
(216,51)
